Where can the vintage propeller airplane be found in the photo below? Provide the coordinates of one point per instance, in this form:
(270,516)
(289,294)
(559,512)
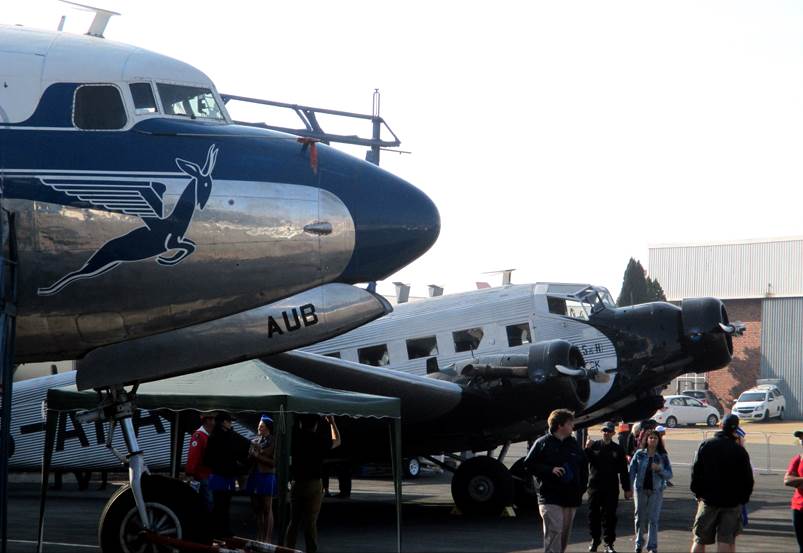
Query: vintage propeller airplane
(510,355)
(134,206)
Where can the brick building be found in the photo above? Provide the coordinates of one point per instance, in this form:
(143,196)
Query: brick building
(761,284)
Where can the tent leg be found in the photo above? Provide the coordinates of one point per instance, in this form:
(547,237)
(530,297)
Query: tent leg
(51,424)
(286,423)
(8,332)
(396,463)
(176,444)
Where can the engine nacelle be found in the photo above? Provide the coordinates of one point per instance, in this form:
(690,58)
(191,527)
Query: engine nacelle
(704,334)
(546,357)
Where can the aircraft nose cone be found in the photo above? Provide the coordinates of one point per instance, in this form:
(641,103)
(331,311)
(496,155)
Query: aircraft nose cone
(395,223)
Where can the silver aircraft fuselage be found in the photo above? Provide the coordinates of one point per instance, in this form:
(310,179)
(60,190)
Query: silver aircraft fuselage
(140,207)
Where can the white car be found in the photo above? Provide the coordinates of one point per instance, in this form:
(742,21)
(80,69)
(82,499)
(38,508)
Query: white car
(679,410)
(760,403)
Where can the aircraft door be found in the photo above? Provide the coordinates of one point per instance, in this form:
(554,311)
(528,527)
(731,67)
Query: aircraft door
(20,85)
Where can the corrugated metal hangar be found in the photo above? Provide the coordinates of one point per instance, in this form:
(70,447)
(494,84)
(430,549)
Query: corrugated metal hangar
(761,283)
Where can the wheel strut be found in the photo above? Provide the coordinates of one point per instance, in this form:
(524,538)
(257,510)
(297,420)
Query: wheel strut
(118,407)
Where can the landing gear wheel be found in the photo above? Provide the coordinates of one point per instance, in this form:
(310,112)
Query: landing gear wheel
(671,422)
(412,467)
(712,420)
(525,493)
(173,508)
(482,486)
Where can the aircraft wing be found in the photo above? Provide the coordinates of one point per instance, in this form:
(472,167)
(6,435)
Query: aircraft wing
(422,398)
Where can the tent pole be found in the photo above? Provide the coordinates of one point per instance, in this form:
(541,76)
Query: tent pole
(176,444)
(286,423)
(51,424)
(396,463)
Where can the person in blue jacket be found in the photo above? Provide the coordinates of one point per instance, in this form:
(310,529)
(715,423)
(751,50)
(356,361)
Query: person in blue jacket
(650,470)
(560,467)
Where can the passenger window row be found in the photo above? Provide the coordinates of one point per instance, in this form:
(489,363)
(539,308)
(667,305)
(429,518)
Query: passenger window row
(463,341)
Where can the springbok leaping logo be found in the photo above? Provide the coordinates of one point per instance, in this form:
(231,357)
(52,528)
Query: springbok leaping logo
(157,237)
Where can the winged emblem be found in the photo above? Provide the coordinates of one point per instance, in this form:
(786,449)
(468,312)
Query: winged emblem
(140,198)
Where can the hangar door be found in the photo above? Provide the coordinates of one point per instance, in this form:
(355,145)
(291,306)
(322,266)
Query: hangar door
(782,349)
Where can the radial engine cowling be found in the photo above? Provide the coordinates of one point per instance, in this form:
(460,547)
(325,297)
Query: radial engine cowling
(707,333)
(550,359)
(551,375)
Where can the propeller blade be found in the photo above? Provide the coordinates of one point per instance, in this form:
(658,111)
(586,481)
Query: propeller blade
(568,371)
(736,328)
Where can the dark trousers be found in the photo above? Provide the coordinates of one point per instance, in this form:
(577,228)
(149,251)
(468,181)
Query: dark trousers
(602,505)
(221,506)
(797,518)
(305,501)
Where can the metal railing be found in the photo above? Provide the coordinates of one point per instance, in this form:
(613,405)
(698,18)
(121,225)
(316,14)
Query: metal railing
(755,437)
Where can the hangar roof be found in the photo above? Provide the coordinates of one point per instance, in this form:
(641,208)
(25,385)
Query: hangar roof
(759,268)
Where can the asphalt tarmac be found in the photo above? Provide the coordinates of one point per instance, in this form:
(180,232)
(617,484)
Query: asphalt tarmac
(366,522)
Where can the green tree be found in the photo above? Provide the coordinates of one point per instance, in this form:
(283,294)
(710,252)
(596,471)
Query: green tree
(637,287)
(654,290)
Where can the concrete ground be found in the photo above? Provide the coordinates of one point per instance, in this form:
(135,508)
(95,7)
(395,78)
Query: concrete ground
(366,523)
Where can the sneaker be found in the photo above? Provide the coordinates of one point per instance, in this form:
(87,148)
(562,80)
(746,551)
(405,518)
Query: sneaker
(593,546)
(609,548)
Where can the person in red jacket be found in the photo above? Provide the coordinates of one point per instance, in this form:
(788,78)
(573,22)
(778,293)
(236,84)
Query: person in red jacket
(196,469)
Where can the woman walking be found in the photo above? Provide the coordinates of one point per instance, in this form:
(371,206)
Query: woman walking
(261,485)
(650,471)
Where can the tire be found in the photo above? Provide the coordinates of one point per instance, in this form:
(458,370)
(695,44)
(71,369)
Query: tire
(482,486)
(525,492)
(177,508)
(766,416)
(671,422)
(780,415)
(712,420)
(412,467)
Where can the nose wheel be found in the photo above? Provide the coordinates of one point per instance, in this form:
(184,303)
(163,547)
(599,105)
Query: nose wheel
(173,510)
(149,507)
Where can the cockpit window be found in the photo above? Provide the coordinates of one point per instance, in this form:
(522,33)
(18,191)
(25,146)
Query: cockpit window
(99,108)
(189,101)
(144,102)
(581,304)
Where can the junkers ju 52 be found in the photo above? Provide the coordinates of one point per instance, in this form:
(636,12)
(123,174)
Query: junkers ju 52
(483,369)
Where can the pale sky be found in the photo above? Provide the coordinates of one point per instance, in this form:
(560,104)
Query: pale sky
(559,138)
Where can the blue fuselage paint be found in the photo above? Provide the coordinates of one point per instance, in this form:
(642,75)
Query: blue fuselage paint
(394,221)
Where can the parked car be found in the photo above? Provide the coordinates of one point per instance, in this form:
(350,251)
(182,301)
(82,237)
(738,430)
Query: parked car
(682,409)
(707,397)
(760,403)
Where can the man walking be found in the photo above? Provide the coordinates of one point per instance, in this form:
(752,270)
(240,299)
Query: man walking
(608,469)
(559,465)
(722,481)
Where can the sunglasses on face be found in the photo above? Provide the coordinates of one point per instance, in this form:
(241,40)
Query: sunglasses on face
(607,430)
